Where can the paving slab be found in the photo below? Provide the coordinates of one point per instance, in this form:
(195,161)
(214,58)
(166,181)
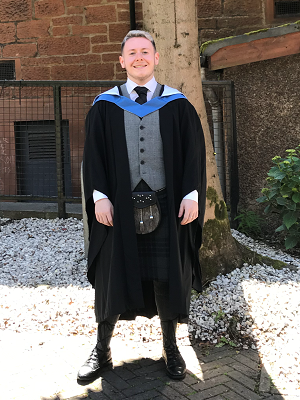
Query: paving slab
(41,366)
(265,381)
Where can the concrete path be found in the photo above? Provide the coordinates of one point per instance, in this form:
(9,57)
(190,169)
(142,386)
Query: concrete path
(42,366)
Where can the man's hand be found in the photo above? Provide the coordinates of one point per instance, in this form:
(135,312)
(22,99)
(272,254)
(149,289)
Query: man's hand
(189,210)
(104,212)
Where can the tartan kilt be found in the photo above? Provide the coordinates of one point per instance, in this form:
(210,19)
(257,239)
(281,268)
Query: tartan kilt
(154,247)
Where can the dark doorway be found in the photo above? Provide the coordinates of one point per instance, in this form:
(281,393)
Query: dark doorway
(36,158)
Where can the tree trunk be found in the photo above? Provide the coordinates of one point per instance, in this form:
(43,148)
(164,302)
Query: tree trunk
(174,27)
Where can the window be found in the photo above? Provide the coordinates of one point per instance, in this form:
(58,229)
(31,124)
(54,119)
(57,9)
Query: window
(282,10)
(36,158)
(7,70)
(287,8)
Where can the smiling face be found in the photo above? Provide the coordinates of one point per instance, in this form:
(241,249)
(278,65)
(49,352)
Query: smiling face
(139,59)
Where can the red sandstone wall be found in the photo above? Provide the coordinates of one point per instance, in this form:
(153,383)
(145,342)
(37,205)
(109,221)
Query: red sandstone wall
(80,39)
(57,40)
(64,39)
(222,18)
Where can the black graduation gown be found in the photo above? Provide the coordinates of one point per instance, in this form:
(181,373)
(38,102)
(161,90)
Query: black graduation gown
(106,169)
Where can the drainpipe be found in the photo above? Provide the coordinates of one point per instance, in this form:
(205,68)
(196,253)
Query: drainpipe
(217,120)
(132,15)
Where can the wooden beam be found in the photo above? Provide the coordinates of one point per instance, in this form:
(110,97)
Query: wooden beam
(257,50)
(269,11)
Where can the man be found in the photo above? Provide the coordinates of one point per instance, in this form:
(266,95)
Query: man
(143,137)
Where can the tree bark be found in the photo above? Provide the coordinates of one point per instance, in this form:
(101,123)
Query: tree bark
(174,27)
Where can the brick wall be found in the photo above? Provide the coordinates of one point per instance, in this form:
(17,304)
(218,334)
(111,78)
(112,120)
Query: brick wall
(57,40)
(64,40)
(222,18)
(80,39)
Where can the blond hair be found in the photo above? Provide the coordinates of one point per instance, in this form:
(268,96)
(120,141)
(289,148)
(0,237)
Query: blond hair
(137,33)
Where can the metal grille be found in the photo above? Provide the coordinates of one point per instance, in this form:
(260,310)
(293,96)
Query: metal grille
(287,8)
(42,138)
(219,99)
(7,70)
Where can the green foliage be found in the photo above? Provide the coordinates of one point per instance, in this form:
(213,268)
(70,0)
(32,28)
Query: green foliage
(224,341)
(282,195)
(249,223)
(218,315)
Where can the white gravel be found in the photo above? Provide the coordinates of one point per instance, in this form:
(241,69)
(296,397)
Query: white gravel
(37,252)
(265,250)
(43,287)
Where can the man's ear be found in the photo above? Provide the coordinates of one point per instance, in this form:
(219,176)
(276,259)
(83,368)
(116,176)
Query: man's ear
(156,58)
(122,61)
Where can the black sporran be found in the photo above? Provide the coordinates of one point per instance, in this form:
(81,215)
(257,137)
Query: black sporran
(146,212)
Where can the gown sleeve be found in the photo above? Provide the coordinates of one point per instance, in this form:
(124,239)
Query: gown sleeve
(194,155)
(94,159)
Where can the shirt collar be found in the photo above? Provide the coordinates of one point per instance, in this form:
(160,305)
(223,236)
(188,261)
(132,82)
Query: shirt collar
(151,85)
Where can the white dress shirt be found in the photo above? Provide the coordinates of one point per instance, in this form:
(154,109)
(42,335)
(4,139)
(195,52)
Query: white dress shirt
(151,86)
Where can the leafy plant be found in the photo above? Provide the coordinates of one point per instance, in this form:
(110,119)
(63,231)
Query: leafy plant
(249,223)
(282,195)
(224,341)
(218,315)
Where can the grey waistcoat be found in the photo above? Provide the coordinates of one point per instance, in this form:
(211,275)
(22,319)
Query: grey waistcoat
(144,145)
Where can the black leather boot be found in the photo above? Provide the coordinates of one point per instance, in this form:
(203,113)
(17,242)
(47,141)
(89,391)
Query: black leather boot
(100,357)
(176,368)
(175,364)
